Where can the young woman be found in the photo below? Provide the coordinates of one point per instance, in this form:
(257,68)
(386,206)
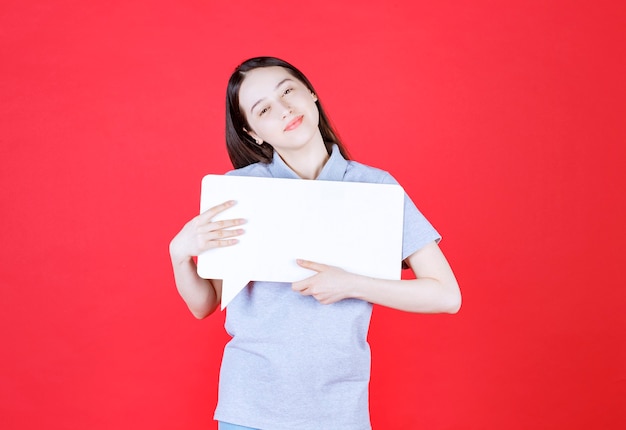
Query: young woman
(298,357)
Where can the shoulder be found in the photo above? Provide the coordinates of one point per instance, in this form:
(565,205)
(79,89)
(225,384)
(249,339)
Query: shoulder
(256,170)
(359,172)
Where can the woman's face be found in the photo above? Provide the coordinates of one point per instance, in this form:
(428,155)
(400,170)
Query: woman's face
(280,109)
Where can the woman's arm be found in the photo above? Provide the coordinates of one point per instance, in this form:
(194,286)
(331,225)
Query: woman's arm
(202,296)
(434,291)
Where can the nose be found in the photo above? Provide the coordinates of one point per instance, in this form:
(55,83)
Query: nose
(287,109)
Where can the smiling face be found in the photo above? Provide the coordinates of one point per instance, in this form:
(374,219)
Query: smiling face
(279,109)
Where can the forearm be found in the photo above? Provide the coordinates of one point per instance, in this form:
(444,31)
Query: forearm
(197,236)
(199,294)
(435,289)
(425,295)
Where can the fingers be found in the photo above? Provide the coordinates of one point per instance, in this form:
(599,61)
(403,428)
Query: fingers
(219,238)
(212,212)
(209,226)
(307,287)
(300,286)
(217,234)
(220,243)
(205,224)
(318,267)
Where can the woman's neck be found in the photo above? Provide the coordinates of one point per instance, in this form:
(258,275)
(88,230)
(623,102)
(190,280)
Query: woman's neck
(308,161)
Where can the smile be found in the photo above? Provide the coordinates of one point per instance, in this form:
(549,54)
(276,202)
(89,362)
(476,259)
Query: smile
(295,123)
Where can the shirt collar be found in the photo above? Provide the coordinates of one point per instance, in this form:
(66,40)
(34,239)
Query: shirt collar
(334,169)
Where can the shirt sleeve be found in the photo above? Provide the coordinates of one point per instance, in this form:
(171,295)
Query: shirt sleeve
(417,230)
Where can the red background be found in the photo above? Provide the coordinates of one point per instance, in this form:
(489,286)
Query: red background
(505,121)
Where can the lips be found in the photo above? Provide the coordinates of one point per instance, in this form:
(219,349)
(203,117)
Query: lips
(295,123)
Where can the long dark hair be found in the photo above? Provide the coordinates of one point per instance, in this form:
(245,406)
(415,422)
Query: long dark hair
(242,149)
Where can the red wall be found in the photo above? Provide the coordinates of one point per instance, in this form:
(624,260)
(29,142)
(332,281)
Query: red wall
(505,121)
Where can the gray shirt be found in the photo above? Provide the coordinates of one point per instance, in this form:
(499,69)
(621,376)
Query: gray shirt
(293,363)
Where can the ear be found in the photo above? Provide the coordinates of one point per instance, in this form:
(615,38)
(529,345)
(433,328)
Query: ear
(314,96)
(254,136)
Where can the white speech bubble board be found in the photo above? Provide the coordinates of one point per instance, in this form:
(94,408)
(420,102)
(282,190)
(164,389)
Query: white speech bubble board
(352,225)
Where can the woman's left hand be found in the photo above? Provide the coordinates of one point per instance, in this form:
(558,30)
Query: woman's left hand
(329,285)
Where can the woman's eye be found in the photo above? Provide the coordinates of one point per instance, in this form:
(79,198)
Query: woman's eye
(263,111)
(287,91)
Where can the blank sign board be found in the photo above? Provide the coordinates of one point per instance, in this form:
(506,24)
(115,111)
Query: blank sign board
(352,225)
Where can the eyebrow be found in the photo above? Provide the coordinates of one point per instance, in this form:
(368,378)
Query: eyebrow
(275,88)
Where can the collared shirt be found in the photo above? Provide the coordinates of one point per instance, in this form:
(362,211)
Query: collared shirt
(293,363)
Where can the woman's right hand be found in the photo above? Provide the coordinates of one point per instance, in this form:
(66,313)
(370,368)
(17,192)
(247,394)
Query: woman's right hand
(201,234)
